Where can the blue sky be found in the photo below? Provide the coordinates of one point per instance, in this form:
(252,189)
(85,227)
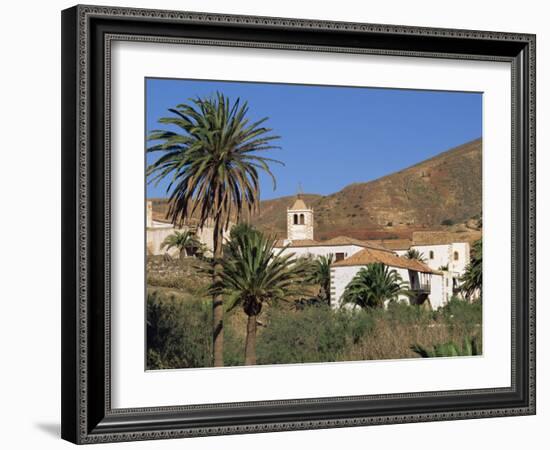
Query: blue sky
(334,136)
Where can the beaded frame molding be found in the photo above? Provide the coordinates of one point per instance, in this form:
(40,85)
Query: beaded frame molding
(87,34)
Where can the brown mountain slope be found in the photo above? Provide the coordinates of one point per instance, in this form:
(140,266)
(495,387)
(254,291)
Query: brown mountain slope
(443,189)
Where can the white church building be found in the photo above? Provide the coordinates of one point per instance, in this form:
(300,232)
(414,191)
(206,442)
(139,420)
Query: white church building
(158,229)
(435,280)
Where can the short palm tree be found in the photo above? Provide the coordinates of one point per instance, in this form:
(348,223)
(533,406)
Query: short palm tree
(255,274)
(212,166)
(373,285)
(320,274)
(186,242)
(472,279)
(413,253)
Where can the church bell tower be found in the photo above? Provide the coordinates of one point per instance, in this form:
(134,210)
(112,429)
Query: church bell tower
(299,219)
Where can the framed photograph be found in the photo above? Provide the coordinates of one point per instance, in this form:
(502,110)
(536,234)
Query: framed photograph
(281,224)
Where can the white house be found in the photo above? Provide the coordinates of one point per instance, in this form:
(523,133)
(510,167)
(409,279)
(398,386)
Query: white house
(159,229)
(442,252)
(424,282)
(436,279)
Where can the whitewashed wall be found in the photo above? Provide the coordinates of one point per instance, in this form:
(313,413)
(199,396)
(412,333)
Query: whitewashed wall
(159,232)
(324,250)
(339,279)
(340,276)
(444,255)
(438,296)
(441,254)
(155,238)
(463,250)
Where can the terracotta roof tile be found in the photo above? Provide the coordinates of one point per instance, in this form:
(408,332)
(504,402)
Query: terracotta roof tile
(395,244)
(337,241)
(345,240)
(369,256)
(298,205)
(303,243)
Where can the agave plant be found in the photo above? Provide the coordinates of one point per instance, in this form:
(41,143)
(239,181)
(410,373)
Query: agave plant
(470,347)
(373,286)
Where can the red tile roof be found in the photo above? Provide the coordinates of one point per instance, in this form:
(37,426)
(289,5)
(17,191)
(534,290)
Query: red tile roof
(334,242)
(369,256)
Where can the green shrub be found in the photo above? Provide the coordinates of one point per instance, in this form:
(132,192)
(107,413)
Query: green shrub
(179,332)
(462,315)
(401,313)
(233,345)
(313,334)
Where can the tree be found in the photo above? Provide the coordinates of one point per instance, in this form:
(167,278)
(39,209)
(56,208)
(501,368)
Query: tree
(472,279)
(373,285)
(186,242)
(320,274)
(413,253)
(212,166)
(239,229)
(255,274)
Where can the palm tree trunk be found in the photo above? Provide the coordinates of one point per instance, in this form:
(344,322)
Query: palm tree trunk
(250,345)
(217,300)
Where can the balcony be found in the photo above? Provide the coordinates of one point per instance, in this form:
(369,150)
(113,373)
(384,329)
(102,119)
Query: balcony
(421,288)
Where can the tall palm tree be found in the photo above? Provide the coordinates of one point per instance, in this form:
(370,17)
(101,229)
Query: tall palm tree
(254,274)
(373,285)
(413,253)
(472,279)
(212,165)
(320,274)
(186,242)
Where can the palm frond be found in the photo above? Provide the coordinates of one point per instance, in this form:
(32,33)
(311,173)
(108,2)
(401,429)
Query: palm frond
(373,285)
(254,273)
(212,164)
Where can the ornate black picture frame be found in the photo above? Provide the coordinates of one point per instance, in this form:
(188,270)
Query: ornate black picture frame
(87,33)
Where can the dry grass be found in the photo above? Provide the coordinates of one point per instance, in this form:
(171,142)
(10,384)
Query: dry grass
(387,341)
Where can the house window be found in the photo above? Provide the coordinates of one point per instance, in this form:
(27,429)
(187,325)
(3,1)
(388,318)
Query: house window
(295,219)
(339,256)
(455,256)
(431,254)
(302,219)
